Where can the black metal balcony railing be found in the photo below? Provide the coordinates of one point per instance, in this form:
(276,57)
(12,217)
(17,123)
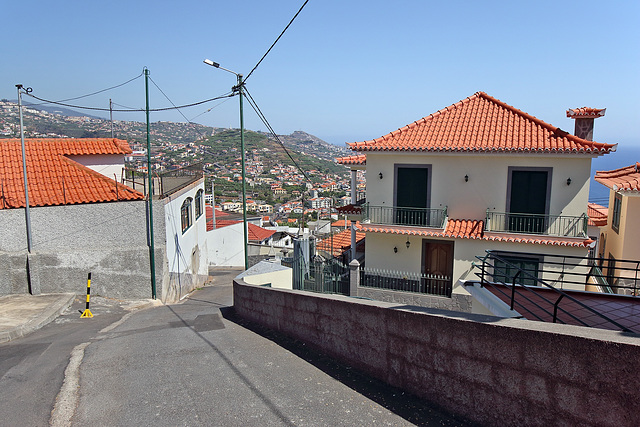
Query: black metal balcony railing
(550,225)
(394,215)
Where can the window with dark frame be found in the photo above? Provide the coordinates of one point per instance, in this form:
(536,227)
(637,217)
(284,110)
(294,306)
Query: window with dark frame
(505,273)
(198,206)
(617,207)
(185,214)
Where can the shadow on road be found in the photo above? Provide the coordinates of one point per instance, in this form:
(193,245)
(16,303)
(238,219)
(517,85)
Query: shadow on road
(408,406)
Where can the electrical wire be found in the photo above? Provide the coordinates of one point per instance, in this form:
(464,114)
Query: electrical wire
(274,43)
(94,93)
(80,107)
(204,112)
(255,107)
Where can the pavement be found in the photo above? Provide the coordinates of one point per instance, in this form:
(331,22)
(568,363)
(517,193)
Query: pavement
(23,313)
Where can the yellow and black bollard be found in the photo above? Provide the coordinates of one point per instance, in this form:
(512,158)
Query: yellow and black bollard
(87,312)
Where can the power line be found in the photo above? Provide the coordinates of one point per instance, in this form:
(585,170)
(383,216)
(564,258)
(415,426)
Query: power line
(274,43)
(255,107)
(95,93)
(80,107)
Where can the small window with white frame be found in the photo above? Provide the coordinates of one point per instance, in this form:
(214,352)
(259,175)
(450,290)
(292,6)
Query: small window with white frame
(185,214)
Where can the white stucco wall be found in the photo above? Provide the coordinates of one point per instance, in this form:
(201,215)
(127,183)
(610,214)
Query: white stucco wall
(186,252)
(225,246)
(487,185)
(105,164)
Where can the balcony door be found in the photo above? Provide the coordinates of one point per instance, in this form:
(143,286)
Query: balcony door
(412,193)
(528,203)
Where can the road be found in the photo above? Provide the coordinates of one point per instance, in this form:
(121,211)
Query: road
(188,364)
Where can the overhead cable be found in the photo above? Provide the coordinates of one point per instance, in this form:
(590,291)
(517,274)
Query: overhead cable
(255,107)
(274,43)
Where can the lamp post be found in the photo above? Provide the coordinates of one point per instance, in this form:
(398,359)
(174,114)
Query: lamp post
(239,89)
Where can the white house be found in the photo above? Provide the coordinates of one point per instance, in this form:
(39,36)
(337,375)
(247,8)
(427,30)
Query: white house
(477,175)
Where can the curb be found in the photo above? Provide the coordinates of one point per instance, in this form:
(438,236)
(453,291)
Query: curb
(47,316)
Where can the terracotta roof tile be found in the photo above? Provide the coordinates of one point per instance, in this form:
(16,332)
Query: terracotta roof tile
(481,123)
(359,159)
(471,229)
(54,179)
(624,179)
(598,214)
(349,209)
(339,242)
(258,234)
(585,112)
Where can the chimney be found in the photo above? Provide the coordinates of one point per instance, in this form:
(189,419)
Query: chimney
(584,120)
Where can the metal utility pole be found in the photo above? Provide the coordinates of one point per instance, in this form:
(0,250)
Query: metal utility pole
(27,214)
(152,256)
(240,89)
(111,115)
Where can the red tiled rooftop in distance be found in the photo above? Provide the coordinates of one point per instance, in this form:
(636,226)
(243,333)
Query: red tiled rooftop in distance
(258,234)
(53,178)
(481,123)
(360,159)
(585,113)
(626,179)
(471,229)
(339,242)
(598,214)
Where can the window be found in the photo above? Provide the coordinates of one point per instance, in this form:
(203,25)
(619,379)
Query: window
(412,193)
(198,204)
(617,207)
(185,214)
(528,191)
(528,266)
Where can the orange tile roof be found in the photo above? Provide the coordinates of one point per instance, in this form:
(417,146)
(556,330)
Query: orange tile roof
(349,209)
(53,178)
(471,229)
(359,159)
(586,113)
(598,214)
(258,234)
(625,179)
(339,242)
(481,123)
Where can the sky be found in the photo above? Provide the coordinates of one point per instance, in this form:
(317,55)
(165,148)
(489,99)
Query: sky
(344,71)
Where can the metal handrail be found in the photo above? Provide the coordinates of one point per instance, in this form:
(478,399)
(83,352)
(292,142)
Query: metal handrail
(560,293)
(399,215)
(550,225)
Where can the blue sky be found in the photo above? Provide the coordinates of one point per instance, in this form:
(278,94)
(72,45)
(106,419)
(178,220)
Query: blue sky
(344,71)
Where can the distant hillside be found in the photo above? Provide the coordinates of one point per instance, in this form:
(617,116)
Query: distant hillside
(306,149)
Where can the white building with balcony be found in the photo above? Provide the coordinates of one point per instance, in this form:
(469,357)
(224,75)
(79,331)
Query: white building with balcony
(477,175)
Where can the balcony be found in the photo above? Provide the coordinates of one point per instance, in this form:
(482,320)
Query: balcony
(547,225)
(394,215)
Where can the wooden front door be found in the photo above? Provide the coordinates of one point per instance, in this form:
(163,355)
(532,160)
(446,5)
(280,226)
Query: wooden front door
(437,267)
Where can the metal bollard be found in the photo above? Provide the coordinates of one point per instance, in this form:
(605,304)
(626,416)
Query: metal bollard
(87,312)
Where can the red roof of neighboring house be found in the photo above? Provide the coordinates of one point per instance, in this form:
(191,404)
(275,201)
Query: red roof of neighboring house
(471,229)
(341,223)
(258,234)
(339,242)
(360,159)
(585,112)
(54,179)
(349,209)
(625,179)
(481,123)
(598,214)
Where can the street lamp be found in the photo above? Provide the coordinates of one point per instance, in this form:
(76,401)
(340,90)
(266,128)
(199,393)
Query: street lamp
(239,88)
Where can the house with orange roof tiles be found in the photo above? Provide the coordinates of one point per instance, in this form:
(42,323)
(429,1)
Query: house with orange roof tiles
(620,227)
(83,218)
(476,175)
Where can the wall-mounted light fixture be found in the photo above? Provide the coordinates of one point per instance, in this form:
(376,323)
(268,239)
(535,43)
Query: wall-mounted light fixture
(408,243)
(380,175)
(466,178)
(568,181)
(395,249)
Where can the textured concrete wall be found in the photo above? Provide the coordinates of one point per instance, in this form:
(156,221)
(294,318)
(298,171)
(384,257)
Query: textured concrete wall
(107,239)
(501,372)
(457,302)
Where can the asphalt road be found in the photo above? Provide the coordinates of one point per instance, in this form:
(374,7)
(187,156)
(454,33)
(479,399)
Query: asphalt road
(190,364)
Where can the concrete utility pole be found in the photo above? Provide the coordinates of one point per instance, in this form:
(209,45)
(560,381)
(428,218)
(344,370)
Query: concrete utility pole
(27,214)
(152,255)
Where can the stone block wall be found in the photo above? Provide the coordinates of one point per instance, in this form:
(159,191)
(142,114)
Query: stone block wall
(493,371)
